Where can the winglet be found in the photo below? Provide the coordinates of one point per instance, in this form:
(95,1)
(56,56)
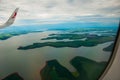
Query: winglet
(12,17)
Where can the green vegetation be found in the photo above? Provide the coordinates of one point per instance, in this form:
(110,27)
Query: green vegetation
(86,69)
(14,76)
(5,36)
(109,48)
(90,41)
(65,36)
(55,71)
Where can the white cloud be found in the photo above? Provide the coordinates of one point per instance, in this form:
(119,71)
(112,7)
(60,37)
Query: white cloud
(59,9)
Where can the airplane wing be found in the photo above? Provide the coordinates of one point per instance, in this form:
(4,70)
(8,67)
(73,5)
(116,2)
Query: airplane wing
(11,20)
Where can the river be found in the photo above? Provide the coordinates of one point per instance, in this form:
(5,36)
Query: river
(28,63)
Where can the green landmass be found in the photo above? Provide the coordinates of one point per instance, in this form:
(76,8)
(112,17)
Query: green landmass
(13,76)
(86,69)
(5,36)
(109,48)
(90,41)
(53,70)
(65,36)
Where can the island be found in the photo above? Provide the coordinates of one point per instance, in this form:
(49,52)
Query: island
(109,48)
(65,36)
(13,76)
(53,70)
(86,69)
(5,36)
(89,42)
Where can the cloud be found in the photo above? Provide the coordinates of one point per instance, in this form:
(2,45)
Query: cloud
(60,10)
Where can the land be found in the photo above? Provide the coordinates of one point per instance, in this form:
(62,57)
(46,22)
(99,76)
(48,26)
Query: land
(5,36)
(65,36)
(53,70)
(91,40)
(86,69)
(13,76)
(109,48)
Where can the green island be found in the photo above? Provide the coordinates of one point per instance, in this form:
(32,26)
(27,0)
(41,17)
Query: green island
(5,36)
(86,69)
(89,42)
(65,36)
(109,48)
(13,76)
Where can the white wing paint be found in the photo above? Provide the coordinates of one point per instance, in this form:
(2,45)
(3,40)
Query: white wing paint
(11,20)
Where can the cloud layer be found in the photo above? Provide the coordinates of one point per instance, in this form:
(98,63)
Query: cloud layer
(60,10)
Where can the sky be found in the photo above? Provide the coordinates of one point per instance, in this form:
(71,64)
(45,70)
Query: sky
(59,11)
